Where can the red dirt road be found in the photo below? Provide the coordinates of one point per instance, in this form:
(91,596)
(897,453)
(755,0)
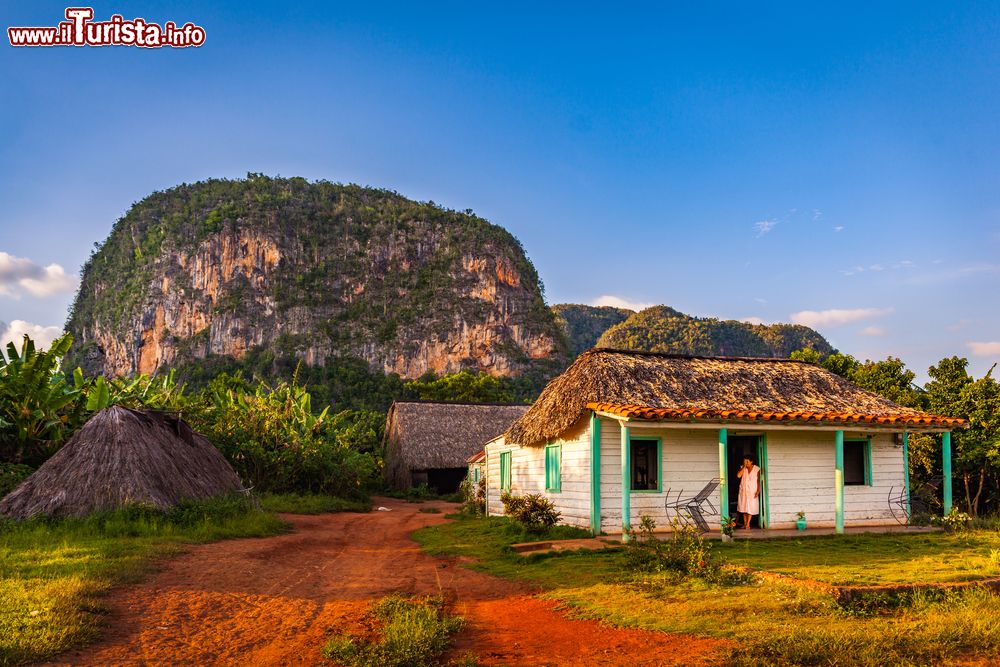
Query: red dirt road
(272,601)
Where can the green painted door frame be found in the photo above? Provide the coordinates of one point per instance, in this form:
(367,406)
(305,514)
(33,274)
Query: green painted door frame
(838,481)
(765,503)
(626,482)
(595,474)
(723,479)
(946,470)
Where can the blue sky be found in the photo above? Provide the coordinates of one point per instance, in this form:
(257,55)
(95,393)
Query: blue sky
(833,165)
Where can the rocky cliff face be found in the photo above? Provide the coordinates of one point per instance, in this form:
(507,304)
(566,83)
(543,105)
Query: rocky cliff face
(313,270)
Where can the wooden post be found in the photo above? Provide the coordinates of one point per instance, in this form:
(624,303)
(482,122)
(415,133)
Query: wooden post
(723,478)
(838,481)
(906,471)
(946,470)
(626,482)
(595,474)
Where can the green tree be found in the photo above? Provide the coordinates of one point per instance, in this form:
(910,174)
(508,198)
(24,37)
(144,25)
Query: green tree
(466,387)
(39,409)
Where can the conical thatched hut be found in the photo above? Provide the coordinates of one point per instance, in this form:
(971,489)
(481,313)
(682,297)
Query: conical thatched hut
(123,457)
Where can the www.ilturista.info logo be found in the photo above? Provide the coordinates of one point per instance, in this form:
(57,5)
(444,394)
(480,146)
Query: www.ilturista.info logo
(80,30)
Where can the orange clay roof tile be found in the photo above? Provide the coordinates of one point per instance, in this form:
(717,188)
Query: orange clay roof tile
(645,412)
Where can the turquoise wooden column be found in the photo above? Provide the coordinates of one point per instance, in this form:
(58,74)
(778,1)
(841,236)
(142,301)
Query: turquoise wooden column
(626,482)
(946,470)
(595,474)
(723,477)
(838,481)
(906,470)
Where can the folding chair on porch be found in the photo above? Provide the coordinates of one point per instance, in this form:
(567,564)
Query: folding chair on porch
(691,509)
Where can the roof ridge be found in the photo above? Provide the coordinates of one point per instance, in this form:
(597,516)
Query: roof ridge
(495,405)
(672,355)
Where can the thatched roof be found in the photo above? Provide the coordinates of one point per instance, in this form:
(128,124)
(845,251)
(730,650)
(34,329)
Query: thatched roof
(646,385)
(422,435)
(123,457)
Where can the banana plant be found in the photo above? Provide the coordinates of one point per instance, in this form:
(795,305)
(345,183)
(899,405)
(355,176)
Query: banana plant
(38,408)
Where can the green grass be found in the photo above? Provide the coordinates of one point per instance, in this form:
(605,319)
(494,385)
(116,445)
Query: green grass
(54,573)
(488,540)
(875,559)
(409,633)
(770,623)
(298,503)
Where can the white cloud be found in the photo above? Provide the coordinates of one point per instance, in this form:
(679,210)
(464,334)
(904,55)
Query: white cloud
(817,214)
(836,317)
(619,302)
(838,228)
(984,349)
(873,331)
(41,335)
(764,226)
(20,276)
(753,320)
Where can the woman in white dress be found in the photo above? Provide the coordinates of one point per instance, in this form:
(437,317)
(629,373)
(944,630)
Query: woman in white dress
(749,501)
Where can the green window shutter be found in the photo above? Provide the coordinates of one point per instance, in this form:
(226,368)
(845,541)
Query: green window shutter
(553,474)
(505,470)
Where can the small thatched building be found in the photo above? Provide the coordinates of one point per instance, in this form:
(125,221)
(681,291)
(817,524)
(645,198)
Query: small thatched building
(123,457)
(430,442)
(620,433)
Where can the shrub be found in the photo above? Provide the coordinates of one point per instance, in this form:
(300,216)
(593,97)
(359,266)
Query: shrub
(955,521)
(12,474)
(411,633)
(534,511)
(684,553)
(474,496)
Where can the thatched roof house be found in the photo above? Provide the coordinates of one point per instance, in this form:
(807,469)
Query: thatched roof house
(622,425)
(123,457)
(429,442)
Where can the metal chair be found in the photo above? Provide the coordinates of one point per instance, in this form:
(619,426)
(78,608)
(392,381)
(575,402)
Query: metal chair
(692,506)
(921,501)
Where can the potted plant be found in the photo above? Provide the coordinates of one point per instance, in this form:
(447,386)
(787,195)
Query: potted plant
(727,529)
(801,522)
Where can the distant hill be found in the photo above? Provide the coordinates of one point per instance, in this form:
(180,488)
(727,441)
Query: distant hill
(663,329)
(583,325)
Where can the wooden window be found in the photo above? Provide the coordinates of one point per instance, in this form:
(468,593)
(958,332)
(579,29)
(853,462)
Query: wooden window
(475,475)
(857,463)
(553,474)
(646,464)
(505,471)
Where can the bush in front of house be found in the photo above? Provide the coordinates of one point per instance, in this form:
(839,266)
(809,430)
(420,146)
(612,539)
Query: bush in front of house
(684,553)
(473,496)
(534,511)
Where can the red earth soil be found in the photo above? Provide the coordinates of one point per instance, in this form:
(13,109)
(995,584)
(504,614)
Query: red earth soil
(274,601)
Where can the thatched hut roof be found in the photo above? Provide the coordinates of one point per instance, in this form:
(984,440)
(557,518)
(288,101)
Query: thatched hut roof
(646,385)
(423,435)
(123,457)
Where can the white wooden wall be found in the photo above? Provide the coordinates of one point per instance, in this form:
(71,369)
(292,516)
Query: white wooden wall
(690,460)
(528,475)
(801,478)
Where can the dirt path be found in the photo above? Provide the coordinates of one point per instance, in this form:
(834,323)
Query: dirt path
(271,601)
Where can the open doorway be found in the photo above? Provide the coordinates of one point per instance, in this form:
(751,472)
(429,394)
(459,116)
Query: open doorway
(738,447)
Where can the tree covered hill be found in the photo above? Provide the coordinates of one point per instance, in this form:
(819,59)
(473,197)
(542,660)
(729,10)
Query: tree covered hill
(583,325)
(663,329)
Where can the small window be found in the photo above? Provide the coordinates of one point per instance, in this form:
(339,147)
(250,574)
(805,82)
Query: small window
(505,471)
(553,460)
(645,464)
(475,475)
(857,463)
